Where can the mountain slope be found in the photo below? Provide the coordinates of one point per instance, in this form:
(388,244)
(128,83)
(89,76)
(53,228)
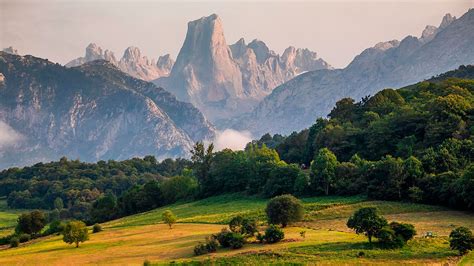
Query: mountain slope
(132,62)
(91,112)
(224,81)
(297,103)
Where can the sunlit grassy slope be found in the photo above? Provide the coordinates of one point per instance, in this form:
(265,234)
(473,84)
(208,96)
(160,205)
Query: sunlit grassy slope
(133,239)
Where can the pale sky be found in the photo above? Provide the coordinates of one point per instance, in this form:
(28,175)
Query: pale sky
(337,30)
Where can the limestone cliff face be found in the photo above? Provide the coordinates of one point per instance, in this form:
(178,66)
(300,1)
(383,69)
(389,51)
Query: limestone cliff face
(297,103)
(91,112)
(132,62)
(226,80)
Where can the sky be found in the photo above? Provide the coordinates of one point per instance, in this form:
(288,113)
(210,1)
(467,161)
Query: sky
(337,30)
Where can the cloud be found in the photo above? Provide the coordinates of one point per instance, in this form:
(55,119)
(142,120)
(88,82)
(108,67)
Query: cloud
(8,136)
(231,139)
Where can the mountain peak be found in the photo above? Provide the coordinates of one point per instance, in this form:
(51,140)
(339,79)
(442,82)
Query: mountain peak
(11,50)
(260,49)
(132,53)
(447,19)
(93,52)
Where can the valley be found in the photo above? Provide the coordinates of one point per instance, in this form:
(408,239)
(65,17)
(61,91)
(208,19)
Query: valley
(134,239)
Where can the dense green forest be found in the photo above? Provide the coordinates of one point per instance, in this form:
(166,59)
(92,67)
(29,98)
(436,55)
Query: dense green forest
(411,144)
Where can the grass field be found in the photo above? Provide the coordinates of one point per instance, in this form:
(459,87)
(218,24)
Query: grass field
(8,218)
(133,239)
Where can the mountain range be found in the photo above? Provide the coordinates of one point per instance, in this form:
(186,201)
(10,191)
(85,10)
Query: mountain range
(226,80)
(91,112)
(296,104)
(132,62)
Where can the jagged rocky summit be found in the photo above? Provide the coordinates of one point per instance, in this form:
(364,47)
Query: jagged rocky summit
(132,62)
(226,80)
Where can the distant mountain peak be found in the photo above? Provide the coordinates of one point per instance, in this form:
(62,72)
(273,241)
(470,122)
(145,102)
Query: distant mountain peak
(132,62)
(446,21)
(11,50)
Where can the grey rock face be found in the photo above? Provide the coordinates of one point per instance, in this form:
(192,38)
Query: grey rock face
(297,103)
(92,112)
(132,62)
(226,80)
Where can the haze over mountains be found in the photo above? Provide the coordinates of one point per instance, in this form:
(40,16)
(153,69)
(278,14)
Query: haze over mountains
(297,103)
(91,112)
(132,62)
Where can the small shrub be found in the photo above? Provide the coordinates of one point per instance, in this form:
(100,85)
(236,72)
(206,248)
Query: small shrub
(406,231)
(389,239)
(361,254)
(260,237)
(244,226)
(211,244)
(461,239)
(146,263)
(303,234)
(284,209)
(224,237)
(200,249)
(55,227)
(24,238)
(273,234)
(14,242)
(236,240)
(96,228)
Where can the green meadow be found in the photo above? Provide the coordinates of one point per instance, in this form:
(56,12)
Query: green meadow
(132,240)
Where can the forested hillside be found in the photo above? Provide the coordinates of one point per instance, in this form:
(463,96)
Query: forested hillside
(415,143)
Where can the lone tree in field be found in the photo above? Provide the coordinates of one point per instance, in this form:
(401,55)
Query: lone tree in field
(169,218)
(75,232)
(284,209)
(461,239)
(366,221)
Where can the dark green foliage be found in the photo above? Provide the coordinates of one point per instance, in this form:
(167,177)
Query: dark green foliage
(406,231)
(96,228)
(244,226)
(104,208)
(55,227)
(223,237)
(202,159)
(273,234)
(24,238)
(65,183)
(461,239)
(31,223)
(200,249)
(236,240)
(323,170)
(284,209)
(282,179)
(389,239)
(211,244)
(14,242)
(367,221)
